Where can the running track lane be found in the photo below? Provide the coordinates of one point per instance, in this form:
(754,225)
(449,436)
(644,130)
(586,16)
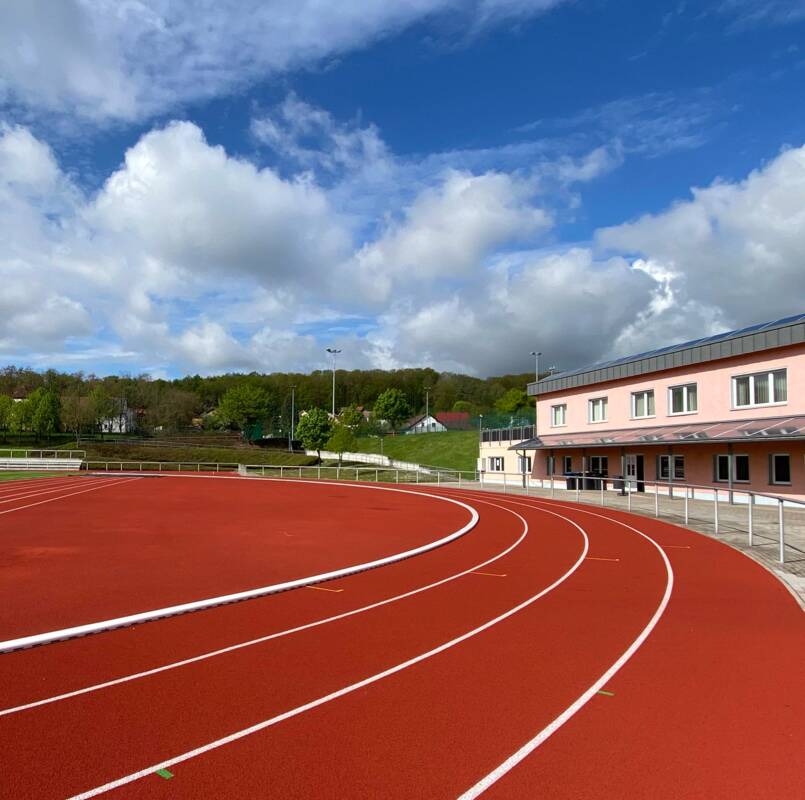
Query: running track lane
(254,684)
(233,775)
(713,706)
(145,544)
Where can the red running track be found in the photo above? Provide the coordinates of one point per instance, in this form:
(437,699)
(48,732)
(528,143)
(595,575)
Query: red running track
(691,714)
(135,544)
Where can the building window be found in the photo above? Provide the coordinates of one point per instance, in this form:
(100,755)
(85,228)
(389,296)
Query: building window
(559,415)
(643,404)
(597,409)
(760,389)
(524,464)
(496,463)
(780,468)
(567,464)
(721,469)
(600,465)
(683,399)
(665,465)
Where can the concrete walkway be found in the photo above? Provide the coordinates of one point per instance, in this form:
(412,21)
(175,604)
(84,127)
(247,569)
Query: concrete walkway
(733,525)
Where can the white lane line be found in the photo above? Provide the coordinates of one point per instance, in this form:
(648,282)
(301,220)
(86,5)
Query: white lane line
(576,706)
(36,491)
(260,726)
(279,634)
(95,487)
(209,602)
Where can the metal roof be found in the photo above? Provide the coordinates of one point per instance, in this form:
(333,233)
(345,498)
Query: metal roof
(762,336)
(753,430)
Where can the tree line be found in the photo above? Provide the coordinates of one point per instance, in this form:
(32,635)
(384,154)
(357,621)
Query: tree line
(51,401)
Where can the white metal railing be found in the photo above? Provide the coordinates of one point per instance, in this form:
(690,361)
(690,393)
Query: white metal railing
(584,487)
(23,454)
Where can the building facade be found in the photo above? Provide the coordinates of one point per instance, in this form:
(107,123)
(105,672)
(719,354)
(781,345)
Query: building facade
(727,411)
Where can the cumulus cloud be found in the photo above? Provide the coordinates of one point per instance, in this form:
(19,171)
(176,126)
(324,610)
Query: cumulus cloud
(735,248)
(189,259)
(449,229)
(192,207)
(125,60)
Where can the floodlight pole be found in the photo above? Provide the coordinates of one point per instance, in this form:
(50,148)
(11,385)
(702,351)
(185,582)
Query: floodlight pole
(293,415)
(536,355)
(334,353)
(427,404)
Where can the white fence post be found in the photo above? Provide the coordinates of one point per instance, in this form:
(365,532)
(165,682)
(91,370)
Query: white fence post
(715,510)
(602,491)
(656,500)
(551,484)
(751,503)
(628,496)
(781,518)
(686,505)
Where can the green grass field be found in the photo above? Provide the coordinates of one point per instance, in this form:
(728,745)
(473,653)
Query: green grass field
(16,476)
(450,450)
(119,451)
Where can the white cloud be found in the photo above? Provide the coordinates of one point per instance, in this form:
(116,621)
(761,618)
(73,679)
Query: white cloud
(735,248)
(449,230)
(192,207)
(123,60)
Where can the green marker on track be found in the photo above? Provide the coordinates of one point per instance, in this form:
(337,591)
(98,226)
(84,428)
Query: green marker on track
(608,694)
(165,773)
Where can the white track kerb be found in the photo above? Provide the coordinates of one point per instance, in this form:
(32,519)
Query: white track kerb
(198,605)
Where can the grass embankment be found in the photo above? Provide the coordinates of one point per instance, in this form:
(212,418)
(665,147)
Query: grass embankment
(450,450)
(16,476)
(119,451)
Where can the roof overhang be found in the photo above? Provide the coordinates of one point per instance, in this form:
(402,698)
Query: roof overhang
(743,431)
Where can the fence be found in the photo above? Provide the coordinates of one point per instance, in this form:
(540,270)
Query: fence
(712,505)
(26,454)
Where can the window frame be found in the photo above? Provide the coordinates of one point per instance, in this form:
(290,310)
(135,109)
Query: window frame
(604,400)
(685,399)
(670,459)
(734,457)
(567,465)
(772,470)
(603,461)
(524,461)
(646,393)
(769,374)
(494,460)
(554,408)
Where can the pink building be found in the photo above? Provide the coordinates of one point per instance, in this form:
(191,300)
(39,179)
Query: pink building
(725,411)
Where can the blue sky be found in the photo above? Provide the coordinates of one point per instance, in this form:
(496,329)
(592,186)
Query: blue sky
(195,188)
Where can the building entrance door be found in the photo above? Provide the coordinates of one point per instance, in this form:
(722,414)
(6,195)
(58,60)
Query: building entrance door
(635,472)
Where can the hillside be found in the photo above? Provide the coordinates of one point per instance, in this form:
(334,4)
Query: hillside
(451,449)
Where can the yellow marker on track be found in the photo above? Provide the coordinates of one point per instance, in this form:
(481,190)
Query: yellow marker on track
(491,574)
(594,558)
(322,589)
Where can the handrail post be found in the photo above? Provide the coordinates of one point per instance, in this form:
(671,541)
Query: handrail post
(686,505)
(438,478)
(377,475)
(751,503)
(578,488)
(602,491)
(781,518)
(459,479)
(397,476)
(318,476)
(715,510)
(656,500)
(551,484)
(628,495)
(504,483)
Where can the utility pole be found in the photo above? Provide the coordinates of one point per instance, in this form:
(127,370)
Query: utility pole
(427,404)
(334,353)
(536,355)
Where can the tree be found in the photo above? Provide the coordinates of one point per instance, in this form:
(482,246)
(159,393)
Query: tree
(102,405)
(512,401)
(392,407)
(342,441)
(350,417)
(314,429)
(45,417)
(5,412)
(76,412)
(243,406)
(21,414)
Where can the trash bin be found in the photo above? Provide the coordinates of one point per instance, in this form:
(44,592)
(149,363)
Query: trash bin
(571,479)
(619,484)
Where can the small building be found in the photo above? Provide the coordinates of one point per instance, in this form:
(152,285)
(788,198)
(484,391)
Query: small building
(726,411)
(438,423)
